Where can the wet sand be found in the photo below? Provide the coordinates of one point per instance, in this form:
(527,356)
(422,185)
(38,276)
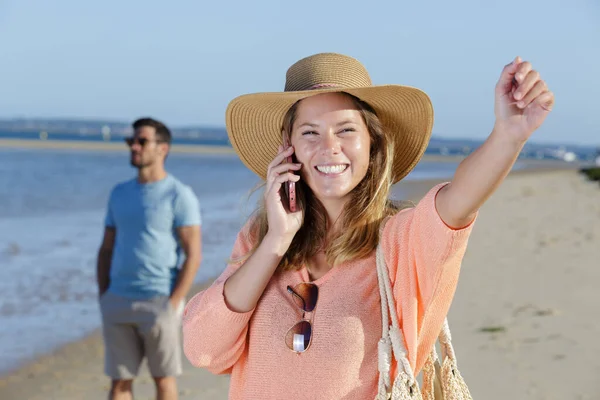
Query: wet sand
(524,319)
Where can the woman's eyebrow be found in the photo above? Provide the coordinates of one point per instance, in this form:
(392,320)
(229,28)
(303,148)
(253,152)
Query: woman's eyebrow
(309,124)
(344,122)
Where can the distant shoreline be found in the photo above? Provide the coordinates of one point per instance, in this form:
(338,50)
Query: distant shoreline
(175,148)
(106,146)
(77,145)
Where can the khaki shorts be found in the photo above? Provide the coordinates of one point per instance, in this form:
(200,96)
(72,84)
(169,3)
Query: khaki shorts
(134,329)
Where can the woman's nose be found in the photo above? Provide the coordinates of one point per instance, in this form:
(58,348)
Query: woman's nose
(330,144)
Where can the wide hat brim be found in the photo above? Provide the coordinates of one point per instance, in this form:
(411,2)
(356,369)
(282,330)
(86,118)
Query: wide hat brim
(254,123)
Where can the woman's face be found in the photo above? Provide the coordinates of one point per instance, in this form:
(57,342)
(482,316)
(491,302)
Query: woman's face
(332,142)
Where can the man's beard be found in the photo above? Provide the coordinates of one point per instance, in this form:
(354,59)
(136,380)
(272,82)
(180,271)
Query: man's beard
(139,163)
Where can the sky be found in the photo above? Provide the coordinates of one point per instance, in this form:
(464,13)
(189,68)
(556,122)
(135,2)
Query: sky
(183,61)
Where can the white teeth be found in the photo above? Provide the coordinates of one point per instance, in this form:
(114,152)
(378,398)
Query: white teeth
(331,169)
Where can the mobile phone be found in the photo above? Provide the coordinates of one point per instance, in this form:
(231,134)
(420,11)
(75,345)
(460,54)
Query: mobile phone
(290,187)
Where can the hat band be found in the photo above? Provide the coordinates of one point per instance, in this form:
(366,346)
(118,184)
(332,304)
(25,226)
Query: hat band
(323,85)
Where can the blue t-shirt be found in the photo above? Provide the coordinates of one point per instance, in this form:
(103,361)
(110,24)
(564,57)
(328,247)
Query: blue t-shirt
(147,253)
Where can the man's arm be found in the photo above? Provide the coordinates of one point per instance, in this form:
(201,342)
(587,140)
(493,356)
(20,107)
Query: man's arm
(190,238)
(104,259)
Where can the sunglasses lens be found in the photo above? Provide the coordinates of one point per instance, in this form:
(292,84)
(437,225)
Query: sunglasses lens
(299,336)
(131,141)
(307,294)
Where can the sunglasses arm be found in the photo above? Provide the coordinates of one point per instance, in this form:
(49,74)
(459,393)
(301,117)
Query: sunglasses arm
(289,289)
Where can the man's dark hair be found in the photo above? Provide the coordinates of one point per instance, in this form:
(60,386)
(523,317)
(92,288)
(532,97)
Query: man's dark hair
(163,134)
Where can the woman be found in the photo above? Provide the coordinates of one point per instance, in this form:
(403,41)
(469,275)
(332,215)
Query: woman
(296,314)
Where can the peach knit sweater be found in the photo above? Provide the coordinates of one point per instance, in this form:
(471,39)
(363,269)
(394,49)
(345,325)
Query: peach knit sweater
(423,256)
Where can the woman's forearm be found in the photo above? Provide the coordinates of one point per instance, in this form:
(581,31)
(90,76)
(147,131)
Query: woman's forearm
(477,177)
(244,288)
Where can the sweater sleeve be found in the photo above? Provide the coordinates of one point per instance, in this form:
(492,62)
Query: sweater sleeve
(214,337)
(424,257)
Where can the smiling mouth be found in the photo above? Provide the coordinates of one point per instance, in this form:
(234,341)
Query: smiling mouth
(332,169)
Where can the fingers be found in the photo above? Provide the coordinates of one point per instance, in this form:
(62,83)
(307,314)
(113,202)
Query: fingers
(278,170)
(281,168)
(505,82)
(523,85)
(525,82)
(523,69)
(281,155)
(530,86)
(539,87)
(275,185)
(285,177)
(546,100)
(280,163)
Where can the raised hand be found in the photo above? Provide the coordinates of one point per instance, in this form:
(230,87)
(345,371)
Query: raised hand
(522,100)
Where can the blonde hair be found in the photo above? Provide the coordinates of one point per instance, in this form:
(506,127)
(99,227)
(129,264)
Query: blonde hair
(361,218)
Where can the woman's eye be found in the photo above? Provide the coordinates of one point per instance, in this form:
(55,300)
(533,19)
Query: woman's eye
(309,133)
(348,130)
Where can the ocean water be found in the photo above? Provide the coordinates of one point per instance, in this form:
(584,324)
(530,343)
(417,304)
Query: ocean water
(52,206)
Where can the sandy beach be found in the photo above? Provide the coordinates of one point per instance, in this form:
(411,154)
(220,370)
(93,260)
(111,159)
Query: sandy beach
(524,319)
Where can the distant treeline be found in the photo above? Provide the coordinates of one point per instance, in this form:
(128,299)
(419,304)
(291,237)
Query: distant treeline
(91,127)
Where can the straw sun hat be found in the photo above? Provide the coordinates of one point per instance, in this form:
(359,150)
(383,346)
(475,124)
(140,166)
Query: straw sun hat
(254,121)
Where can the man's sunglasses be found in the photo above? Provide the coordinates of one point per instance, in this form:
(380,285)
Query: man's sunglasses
(141,141)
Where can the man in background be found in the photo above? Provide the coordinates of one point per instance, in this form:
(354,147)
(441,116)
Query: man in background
(147,262)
